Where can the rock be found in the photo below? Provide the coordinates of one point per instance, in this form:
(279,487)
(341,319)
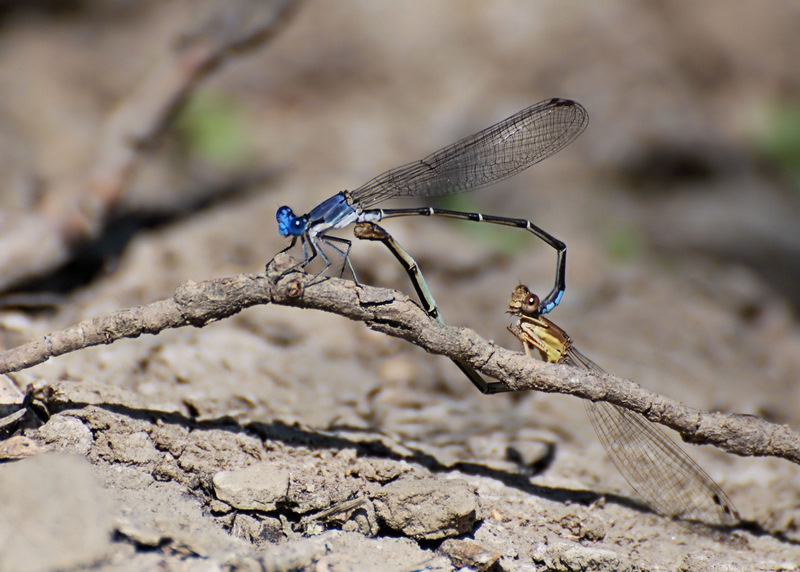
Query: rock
(337,550)
(298,555)
(468,553)
(584,526)
(258,487)
(428,509)
(19,447)
(569,557)
(257,530)
(67,434)
(54,514)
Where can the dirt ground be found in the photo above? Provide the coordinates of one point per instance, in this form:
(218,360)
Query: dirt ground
(283,439)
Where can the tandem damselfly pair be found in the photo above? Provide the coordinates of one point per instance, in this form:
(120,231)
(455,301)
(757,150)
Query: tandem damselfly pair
(655,467)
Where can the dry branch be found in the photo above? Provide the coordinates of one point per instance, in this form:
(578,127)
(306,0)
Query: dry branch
(390,312)
(77,209)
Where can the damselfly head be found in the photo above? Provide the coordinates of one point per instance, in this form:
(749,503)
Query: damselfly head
(289,224)
(523,302)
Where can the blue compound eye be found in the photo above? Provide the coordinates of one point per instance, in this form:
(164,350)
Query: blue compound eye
(297,226)
(289,224)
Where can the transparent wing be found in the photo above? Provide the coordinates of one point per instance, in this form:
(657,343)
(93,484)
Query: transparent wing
(655,467)
(489,156)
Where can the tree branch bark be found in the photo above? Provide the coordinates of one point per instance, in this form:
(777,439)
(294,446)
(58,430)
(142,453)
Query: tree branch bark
(390,312)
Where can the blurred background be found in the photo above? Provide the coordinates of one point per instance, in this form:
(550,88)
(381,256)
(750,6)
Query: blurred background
(680,204)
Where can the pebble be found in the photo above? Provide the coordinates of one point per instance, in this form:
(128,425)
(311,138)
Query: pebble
(258,487)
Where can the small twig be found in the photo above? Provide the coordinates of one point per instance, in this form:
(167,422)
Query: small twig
(390,312)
